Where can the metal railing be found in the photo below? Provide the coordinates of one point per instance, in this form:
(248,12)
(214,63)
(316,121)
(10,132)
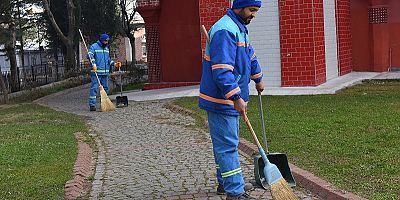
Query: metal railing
(34,76)
(38,75)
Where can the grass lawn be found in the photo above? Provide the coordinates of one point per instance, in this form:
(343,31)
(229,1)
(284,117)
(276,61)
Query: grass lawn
(37,151)
(350,139)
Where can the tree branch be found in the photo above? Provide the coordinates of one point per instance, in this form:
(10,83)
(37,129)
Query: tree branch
(71,19)
(63,38)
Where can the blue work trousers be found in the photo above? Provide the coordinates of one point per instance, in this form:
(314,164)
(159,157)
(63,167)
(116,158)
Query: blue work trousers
(94,86)
(224,131)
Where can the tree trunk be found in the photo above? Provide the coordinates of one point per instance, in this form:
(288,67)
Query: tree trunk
(10,51)
(68,41)
(133,46)
(3,88)
(69,62)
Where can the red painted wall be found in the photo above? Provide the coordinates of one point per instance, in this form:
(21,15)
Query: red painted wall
(343,27)
(380,40)
(210,12)
(376,46)
(302,43)
(394,32)
(361,35)
(180,41)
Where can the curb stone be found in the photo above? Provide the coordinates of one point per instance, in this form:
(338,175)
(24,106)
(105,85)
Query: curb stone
(83,168)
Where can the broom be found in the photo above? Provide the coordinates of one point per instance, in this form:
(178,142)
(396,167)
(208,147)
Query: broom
(280,189)
(106,104)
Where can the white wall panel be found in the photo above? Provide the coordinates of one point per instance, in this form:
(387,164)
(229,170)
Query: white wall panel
(264,37)
(331,58)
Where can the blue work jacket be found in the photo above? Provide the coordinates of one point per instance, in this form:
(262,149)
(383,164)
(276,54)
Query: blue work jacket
(229,64)
(101,57)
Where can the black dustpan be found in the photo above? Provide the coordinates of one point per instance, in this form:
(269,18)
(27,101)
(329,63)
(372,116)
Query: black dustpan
(122,101)
(279,159)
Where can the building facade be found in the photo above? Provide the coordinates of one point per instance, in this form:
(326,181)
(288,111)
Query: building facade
(298,43)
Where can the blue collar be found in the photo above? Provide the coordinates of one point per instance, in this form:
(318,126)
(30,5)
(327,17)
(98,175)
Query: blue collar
(236,18)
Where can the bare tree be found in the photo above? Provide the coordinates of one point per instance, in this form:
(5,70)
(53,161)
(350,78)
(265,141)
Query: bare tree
(8,38)
(128,11)
(10,52)
(68,40)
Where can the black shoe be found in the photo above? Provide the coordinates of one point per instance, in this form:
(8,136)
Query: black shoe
(247,187)
(244,195)
(220,189)
(92,108)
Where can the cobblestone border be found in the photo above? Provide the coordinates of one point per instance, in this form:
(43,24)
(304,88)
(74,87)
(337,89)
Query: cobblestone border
(305,179)
(78,186)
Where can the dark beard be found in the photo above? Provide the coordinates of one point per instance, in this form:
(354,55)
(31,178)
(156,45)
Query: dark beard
(103,45)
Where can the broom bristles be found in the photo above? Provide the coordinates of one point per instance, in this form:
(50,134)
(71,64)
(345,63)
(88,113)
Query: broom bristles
(281,190)
(106,104)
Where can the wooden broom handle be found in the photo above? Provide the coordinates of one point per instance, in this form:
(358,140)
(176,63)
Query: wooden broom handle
(87,51)
(205,33)
(251,130)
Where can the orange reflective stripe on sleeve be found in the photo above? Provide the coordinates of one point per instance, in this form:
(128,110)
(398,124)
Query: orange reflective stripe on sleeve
(207,57)
(256,76)
(215,100)
(252,57)
(241,44)
(222,66)
(232,92)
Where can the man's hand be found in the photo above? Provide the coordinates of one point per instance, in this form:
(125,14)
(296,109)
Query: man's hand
(94,68)
(260,86)
(118,65)
(240,106)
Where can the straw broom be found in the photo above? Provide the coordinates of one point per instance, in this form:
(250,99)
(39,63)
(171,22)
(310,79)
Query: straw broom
(106,104)
(281,190)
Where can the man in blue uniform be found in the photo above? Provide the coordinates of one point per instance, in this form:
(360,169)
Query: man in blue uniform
(99,55)
(228,66)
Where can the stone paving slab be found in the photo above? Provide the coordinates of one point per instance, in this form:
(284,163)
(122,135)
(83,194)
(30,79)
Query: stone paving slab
(147,151)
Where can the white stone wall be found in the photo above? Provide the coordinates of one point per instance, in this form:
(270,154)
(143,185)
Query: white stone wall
(330,40)
(264,37)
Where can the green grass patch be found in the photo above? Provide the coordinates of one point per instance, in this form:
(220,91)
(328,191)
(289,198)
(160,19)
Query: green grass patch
(37,151)
(349,139)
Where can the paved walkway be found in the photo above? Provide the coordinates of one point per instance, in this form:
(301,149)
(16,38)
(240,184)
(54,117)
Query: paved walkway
(148,152)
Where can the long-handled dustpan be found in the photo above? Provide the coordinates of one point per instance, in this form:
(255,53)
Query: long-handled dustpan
(279,159)
(122,101)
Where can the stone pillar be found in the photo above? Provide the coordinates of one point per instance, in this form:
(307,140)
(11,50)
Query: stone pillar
(302,43)
(150,11)
(343,23)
